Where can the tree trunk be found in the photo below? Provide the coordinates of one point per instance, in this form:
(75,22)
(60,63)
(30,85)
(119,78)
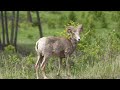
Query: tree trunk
(39,24)
(6,27)
(29,17)
(0,44)
(0,36)
(3,30)
(12,27)
(16,30)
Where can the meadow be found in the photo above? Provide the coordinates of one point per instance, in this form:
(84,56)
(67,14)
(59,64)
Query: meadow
(97,55)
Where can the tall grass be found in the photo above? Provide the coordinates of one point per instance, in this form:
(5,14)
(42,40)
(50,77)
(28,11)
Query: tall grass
(97,55)
(16,67)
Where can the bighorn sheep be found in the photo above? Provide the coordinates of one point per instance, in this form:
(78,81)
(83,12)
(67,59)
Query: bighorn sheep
(59,46)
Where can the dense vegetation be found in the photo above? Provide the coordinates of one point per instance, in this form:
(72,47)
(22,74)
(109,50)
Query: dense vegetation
(97,55)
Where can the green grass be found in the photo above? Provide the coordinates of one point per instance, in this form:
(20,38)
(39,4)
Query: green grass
(23,68)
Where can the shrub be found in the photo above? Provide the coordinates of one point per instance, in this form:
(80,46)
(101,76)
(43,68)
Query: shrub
(30,36)
(51,24)
(97,17)
(62,21)
(9,49)
(35,23)
(72,16)
(116,16)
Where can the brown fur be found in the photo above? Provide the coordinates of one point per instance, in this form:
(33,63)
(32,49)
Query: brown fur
(59,46)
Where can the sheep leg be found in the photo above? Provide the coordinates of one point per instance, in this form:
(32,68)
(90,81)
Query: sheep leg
(68,66)
(43,64)
(39,59)
(37,66)
(60,63)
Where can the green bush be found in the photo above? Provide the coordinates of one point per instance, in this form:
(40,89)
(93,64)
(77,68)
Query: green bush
(35,23)
(97,17)
(72,16)
(51,24)
(63,19)
(94,48)
(115,16)
(9,49)
(29,60)
(103,22)
(117,27)
(30,36)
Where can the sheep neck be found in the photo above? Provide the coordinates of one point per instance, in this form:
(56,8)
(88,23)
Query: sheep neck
(74,43)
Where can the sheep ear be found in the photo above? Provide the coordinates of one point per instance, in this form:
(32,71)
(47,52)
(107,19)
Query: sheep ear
(70,29)
(80,28)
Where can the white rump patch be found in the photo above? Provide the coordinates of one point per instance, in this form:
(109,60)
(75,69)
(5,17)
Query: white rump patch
(41,44)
